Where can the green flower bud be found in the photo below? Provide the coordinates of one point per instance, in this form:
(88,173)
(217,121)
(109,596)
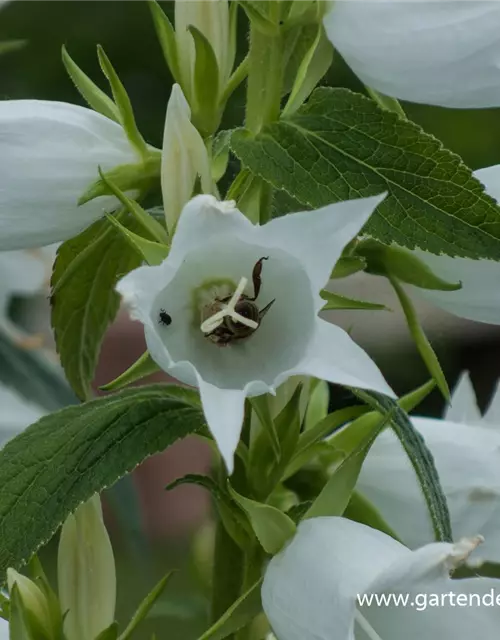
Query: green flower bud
(32,599)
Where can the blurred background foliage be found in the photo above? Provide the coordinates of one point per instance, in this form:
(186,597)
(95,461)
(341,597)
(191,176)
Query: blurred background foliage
(125,30)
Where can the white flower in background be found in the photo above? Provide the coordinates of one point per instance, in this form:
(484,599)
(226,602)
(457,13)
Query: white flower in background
(4,629)
(211,18)
(233,309)
(435,52)
(479,297)
(49,156)
(466,450)
(86,575)
(16,413)
(183,159)
(310,589)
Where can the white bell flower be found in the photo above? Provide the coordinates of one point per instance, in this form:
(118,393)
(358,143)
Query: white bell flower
(441,52)
(466,450)
(16,413)
(4,629)
(233,309)
(479,297)
(315,588)
(184,157)
(49,156)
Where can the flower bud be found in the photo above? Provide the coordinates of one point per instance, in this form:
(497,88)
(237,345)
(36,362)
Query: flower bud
(32,598)
(86,573)
(184,158)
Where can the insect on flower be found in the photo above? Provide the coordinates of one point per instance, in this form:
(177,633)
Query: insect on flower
(223,327)
(164,318)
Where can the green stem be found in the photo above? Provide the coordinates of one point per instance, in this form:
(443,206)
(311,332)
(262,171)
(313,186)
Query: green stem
(227,573)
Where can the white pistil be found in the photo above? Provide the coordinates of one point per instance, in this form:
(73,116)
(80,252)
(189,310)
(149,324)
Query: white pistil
(214,321)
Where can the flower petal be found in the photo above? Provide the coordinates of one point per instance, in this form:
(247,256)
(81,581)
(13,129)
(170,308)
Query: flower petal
(468,463)
(423,576)
(443,52)
(335,357)
(491,418)
(49,155)
(309,590)
(224,410)
(463,407)
(184,157)
(319,236)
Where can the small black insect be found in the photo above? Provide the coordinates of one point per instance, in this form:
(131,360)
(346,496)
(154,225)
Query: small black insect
(164,318)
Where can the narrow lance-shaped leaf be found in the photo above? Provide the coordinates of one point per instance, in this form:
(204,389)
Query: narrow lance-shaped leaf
(66,457)
(340,145)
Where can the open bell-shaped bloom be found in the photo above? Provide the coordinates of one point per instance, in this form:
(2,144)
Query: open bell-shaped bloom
(49,156)
(479,297)
(184,158)
(466,450)
(441,52)
(234,308)
(318,588)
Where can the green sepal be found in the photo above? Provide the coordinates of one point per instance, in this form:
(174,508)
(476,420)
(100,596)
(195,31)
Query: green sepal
(123,104)
(239,614)
(384,260)
(128,177)
(151,226)
(260,404)
(386,102)
(144,366)
(90,92)
(145,607)
(360,509)
(110,633)
(153,253)
(166,37)
(232,518)
(313,67)
(53,606)
(347,266)
(205,100)
(220,154)
(9,46)
(272,527)
(337,301)
(421,341)
(317,406)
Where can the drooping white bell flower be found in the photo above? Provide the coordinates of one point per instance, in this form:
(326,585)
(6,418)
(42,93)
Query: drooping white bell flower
(441,52)
(466,450)
(233,309)
(16,413)
(314,588)
(479,297)
(49,156)
(184,157)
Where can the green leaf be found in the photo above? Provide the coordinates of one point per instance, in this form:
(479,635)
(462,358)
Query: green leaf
(8,46)
(123,104)
(340,145)
(346,266)
(166,37)
(272,527)
(423,345)
(419,456)
(144,608)
(90,92)
(33,375)
(19,628)
(317,406)
(360,509)
(85,304)
(239,614)
(386,102)
(231,515)
(144,366)
(111,633)
(402,264)
(153,253)
(336,301)
(66,457)
(220,154)
(205,102)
